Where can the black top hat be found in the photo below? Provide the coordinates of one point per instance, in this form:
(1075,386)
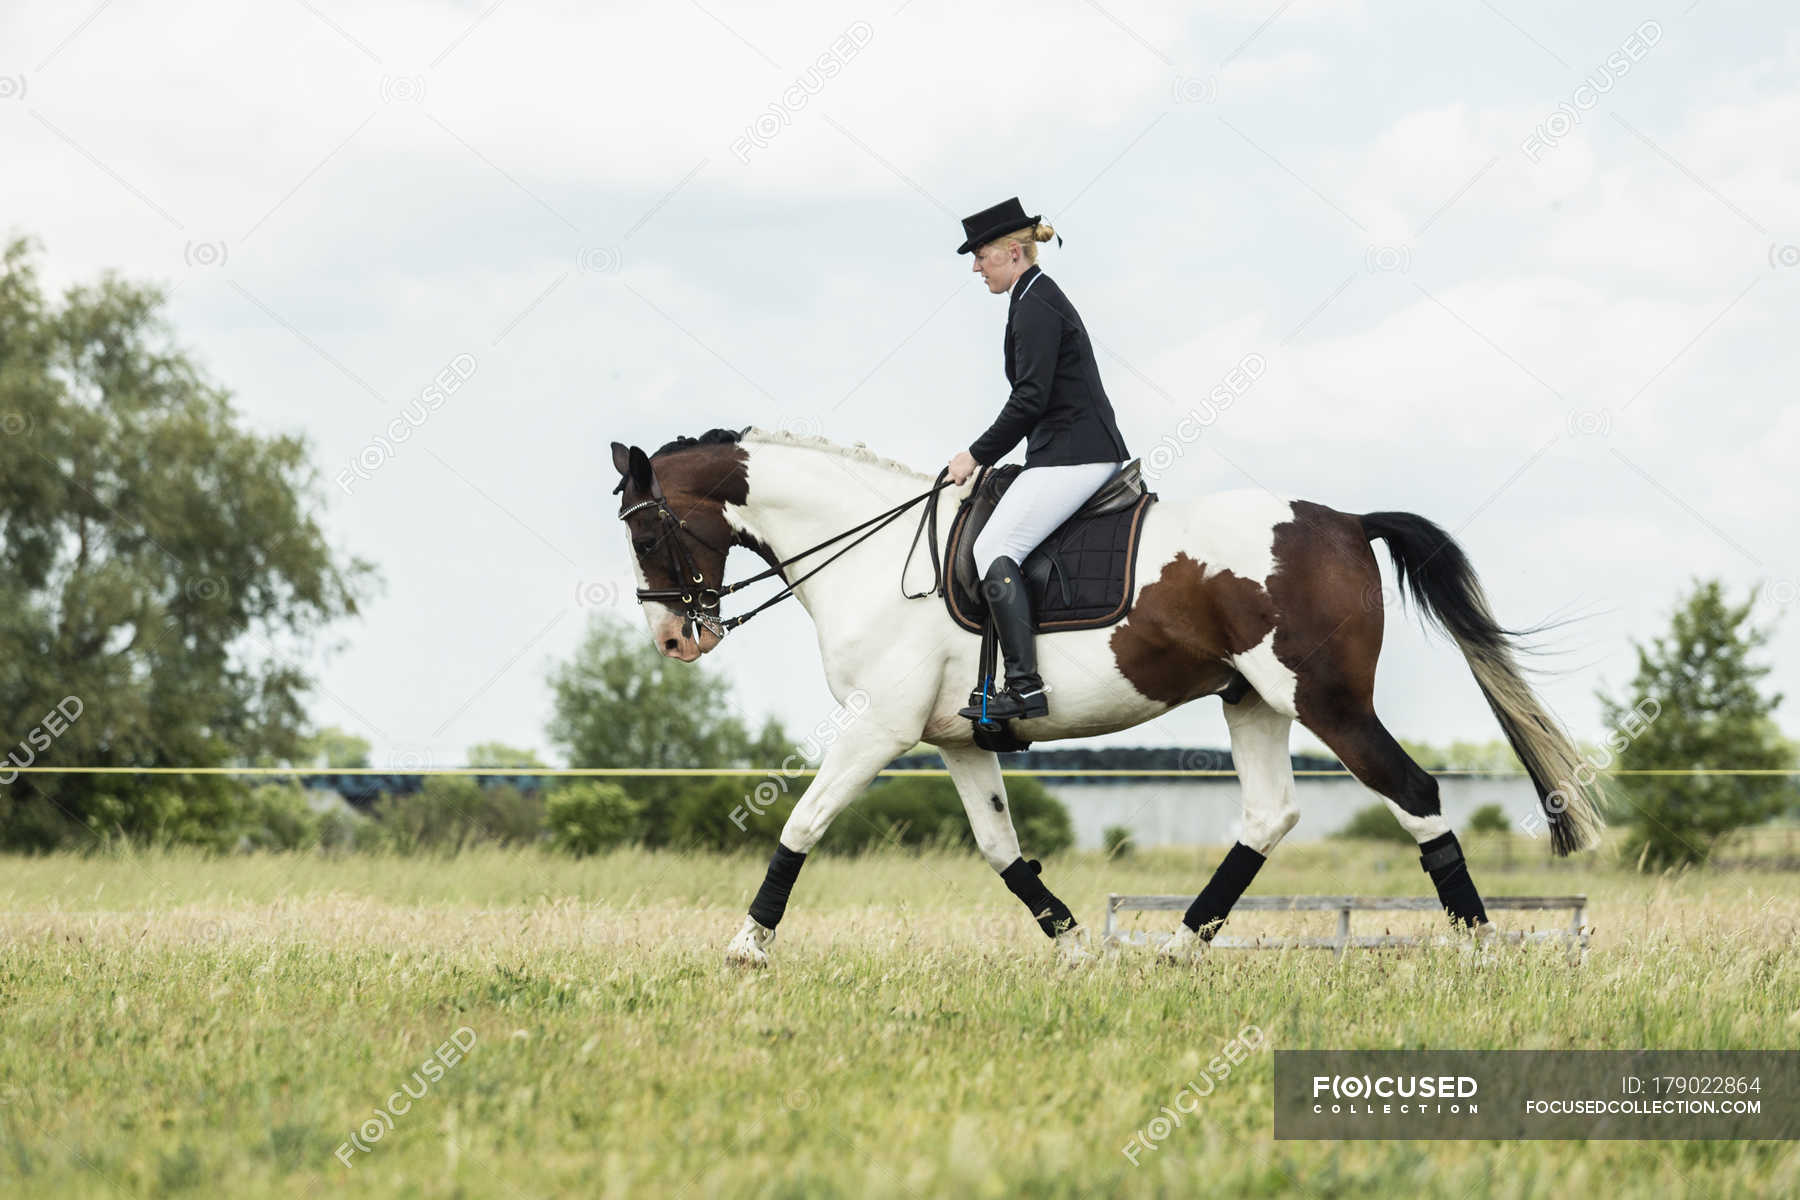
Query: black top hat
(991,223)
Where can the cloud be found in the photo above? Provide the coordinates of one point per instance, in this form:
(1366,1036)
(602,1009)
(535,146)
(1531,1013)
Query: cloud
(554,190)
(1253,76)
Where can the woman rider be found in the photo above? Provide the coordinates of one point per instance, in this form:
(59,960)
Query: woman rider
(1072,445)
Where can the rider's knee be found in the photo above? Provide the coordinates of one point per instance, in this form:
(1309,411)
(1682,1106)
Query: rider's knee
(985,552)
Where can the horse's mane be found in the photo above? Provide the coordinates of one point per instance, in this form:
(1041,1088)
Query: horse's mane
(712,437)
(780,437)
(857,453)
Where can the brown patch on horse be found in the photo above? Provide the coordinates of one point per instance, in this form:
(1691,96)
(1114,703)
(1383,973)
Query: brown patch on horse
(1327,587)
(1174,646)
(698,479)
(709,474)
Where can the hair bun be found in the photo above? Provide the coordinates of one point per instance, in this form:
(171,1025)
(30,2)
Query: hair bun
(1043,231)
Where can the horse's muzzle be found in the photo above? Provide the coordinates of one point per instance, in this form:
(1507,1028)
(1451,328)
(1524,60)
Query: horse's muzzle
(671,642)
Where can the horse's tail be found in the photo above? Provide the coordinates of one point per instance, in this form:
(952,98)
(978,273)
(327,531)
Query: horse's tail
(1434,569)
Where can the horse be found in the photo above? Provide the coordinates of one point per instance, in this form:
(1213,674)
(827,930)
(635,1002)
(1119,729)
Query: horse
(1232,586)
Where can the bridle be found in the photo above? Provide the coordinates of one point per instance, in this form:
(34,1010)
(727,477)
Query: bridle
(699,604)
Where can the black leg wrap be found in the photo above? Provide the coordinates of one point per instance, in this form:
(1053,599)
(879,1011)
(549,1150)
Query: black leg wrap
(1442,858)
(1209,909)
(772,897)
(1021,879)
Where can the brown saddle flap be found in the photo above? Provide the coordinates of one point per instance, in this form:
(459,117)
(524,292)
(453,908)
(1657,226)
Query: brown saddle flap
(1081,576)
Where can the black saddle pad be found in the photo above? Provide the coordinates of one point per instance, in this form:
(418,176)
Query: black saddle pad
(1081,576)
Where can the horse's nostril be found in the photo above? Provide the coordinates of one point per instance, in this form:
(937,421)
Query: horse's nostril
(671,644)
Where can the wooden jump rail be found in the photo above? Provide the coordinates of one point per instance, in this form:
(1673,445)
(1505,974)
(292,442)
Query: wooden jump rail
(1575,935)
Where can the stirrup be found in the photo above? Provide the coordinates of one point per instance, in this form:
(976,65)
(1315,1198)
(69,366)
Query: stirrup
(1011,705)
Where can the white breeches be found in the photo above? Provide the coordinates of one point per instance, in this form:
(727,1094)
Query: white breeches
(1038,501)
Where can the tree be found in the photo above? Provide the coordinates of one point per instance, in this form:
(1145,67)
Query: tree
(161,573)
(499,754)
(1494,755)
(334,747)
(619,703)
(1695,703)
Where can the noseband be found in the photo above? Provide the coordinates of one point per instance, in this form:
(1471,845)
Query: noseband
(695,598)
(699,604)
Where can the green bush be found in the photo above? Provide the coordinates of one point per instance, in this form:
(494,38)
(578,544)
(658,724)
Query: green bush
(1376,824)
(167,810)
(722,814)
(922,811)
(215,813)
(449,812)
(1489,818)
(277,816)
(587,816)
(1116,840)
(1042,821)
(747,813)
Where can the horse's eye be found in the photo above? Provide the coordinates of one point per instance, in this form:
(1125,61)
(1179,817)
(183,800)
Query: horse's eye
(643,545)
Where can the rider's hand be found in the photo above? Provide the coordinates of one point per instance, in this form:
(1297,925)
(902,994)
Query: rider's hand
(962,466)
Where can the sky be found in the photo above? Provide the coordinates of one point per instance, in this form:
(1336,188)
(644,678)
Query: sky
(1529,269)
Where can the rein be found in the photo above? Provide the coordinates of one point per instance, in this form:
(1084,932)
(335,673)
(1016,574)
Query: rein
(696,600)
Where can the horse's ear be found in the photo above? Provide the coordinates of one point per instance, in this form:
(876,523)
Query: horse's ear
(638,468)
(622,464)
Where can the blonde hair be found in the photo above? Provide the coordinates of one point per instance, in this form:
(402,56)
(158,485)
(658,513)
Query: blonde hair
(1026,239)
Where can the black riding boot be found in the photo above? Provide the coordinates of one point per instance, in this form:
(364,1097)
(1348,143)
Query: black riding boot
(1009,600)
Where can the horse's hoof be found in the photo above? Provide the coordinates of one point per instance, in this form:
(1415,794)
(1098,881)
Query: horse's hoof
(750,948)
(1183,946)
(1072,949)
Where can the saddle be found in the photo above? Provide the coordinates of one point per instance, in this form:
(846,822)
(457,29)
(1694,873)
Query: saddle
(1080,576)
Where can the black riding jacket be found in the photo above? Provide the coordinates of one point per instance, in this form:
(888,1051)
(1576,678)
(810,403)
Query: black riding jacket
(1057,402)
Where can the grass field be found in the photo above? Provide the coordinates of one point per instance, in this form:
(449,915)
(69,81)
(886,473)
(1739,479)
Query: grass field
(171,1023)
